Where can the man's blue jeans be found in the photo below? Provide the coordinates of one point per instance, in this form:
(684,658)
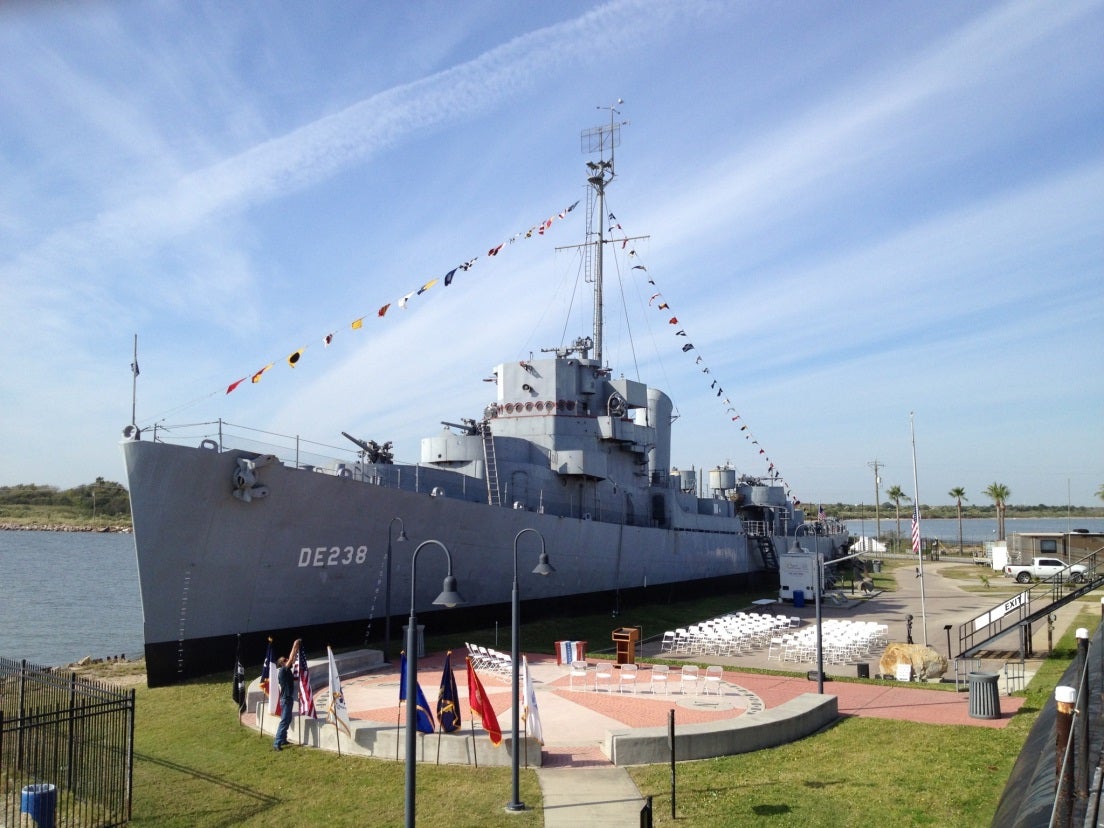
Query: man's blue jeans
(285,723)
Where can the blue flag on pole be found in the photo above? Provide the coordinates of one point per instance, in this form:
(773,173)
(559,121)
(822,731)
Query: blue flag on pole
(448,699)
(425,718)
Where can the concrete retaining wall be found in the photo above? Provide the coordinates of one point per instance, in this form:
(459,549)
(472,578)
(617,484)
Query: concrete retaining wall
(389,742)
(793,720)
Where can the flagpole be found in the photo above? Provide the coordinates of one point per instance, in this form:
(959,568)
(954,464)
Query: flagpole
(916,531)
(397,731)
(333,709)
(134,385)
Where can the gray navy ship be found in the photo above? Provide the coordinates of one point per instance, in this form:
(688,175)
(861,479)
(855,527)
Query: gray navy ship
(235,545)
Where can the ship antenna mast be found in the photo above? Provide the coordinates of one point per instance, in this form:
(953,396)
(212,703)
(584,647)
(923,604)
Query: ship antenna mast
(599,140)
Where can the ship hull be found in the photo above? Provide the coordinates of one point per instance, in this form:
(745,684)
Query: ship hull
(310,557)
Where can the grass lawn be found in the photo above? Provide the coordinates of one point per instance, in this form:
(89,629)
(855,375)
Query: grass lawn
(195,766)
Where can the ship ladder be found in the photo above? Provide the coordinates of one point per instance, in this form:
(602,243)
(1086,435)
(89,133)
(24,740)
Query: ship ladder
(494,496)
(766,550)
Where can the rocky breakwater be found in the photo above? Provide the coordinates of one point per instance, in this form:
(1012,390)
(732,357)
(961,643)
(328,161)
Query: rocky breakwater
(10,526)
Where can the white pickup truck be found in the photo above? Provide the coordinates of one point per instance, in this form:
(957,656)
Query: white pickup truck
(1046,569)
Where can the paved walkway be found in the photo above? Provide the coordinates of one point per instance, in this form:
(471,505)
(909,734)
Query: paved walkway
(578,782)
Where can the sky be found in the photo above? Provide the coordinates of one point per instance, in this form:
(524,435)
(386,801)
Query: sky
(880,225)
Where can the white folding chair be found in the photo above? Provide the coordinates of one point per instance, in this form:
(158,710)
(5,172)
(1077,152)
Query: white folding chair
(627,678)
(660,674)
(689,676)
(603,672)
(713,676)
(578,671)
(777,645)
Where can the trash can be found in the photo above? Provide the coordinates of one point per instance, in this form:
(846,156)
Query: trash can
(421,638)
(984,696)
(39,802)
(799,597)
(877,566)
(862,670)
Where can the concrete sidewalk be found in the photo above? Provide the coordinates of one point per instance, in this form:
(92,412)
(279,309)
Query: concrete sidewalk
(589,796)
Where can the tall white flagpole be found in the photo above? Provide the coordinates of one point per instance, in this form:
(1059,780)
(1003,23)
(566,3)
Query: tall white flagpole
(916,517)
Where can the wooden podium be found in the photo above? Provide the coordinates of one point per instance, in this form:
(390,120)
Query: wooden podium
(625,638)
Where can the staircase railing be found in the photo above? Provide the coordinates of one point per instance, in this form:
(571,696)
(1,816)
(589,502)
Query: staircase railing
(1028,606)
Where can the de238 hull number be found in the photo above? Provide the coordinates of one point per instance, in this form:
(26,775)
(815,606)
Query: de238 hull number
(332,555)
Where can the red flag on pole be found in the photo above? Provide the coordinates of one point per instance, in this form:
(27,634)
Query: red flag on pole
(481,706)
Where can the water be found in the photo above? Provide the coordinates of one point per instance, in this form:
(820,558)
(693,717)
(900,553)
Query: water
(66,595)
(974,530)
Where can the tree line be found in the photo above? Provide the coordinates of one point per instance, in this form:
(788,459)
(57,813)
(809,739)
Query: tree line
(101,498)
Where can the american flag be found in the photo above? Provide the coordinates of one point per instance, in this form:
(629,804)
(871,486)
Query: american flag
(916,530)
(820,513)
(306,695)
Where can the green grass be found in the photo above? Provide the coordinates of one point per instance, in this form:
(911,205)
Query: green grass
(862,771)
(67,516)
(195,766)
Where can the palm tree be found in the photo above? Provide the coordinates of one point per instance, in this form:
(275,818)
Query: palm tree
(895,494)
(959,495)
(999,494)
(1100,491)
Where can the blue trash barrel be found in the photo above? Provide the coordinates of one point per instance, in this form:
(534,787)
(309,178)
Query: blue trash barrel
(799,597)
(984,696)
(39,802)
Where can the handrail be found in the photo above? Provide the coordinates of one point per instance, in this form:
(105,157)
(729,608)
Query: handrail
(1027,606)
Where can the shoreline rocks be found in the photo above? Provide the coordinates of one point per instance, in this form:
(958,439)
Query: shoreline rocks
(61,527)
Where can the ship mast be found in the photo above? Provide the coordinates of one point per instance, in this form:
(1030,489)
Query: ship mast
(598,140)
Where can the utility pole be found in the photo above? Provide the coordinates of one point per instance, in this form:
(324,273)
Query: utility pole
(874,464)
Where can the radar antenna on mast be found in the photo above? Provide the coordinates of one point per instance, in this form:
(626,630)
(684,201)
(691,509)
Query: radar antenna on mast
(599,140)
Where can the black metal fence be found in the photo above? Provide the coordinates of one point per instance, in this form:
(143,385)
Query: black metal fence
(66,748)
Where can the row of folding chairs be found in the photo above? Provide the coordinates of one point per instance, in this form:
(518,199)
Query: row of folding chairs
(660,676)
(841,642)
(733,634)
(492,661)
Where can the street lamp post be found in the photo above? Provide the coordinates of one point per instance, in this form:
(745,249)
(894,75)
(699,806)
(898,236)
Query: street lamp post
(820,638)
(387,598)
(449,597)
(543,568)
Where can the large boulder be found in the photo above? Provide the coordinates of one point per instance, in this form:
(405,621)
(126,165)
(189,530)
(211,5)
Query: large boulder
(926,663)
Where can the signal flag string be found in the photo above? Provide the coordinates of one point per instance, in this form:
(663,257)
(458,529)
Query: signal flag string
(660,303)
(538,229)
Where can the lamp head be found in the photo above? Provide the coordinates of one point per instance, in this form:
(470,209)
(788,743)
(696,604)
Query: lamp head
(402,536)
(449,597)
(544,567)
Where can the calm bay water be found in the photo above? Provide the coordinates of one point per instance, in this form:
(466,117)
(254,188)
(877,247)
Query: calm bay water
(66,595)
(975,530)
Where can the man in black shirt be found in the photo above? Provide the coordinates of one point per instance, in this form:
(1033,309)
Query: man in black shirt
(285,683)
